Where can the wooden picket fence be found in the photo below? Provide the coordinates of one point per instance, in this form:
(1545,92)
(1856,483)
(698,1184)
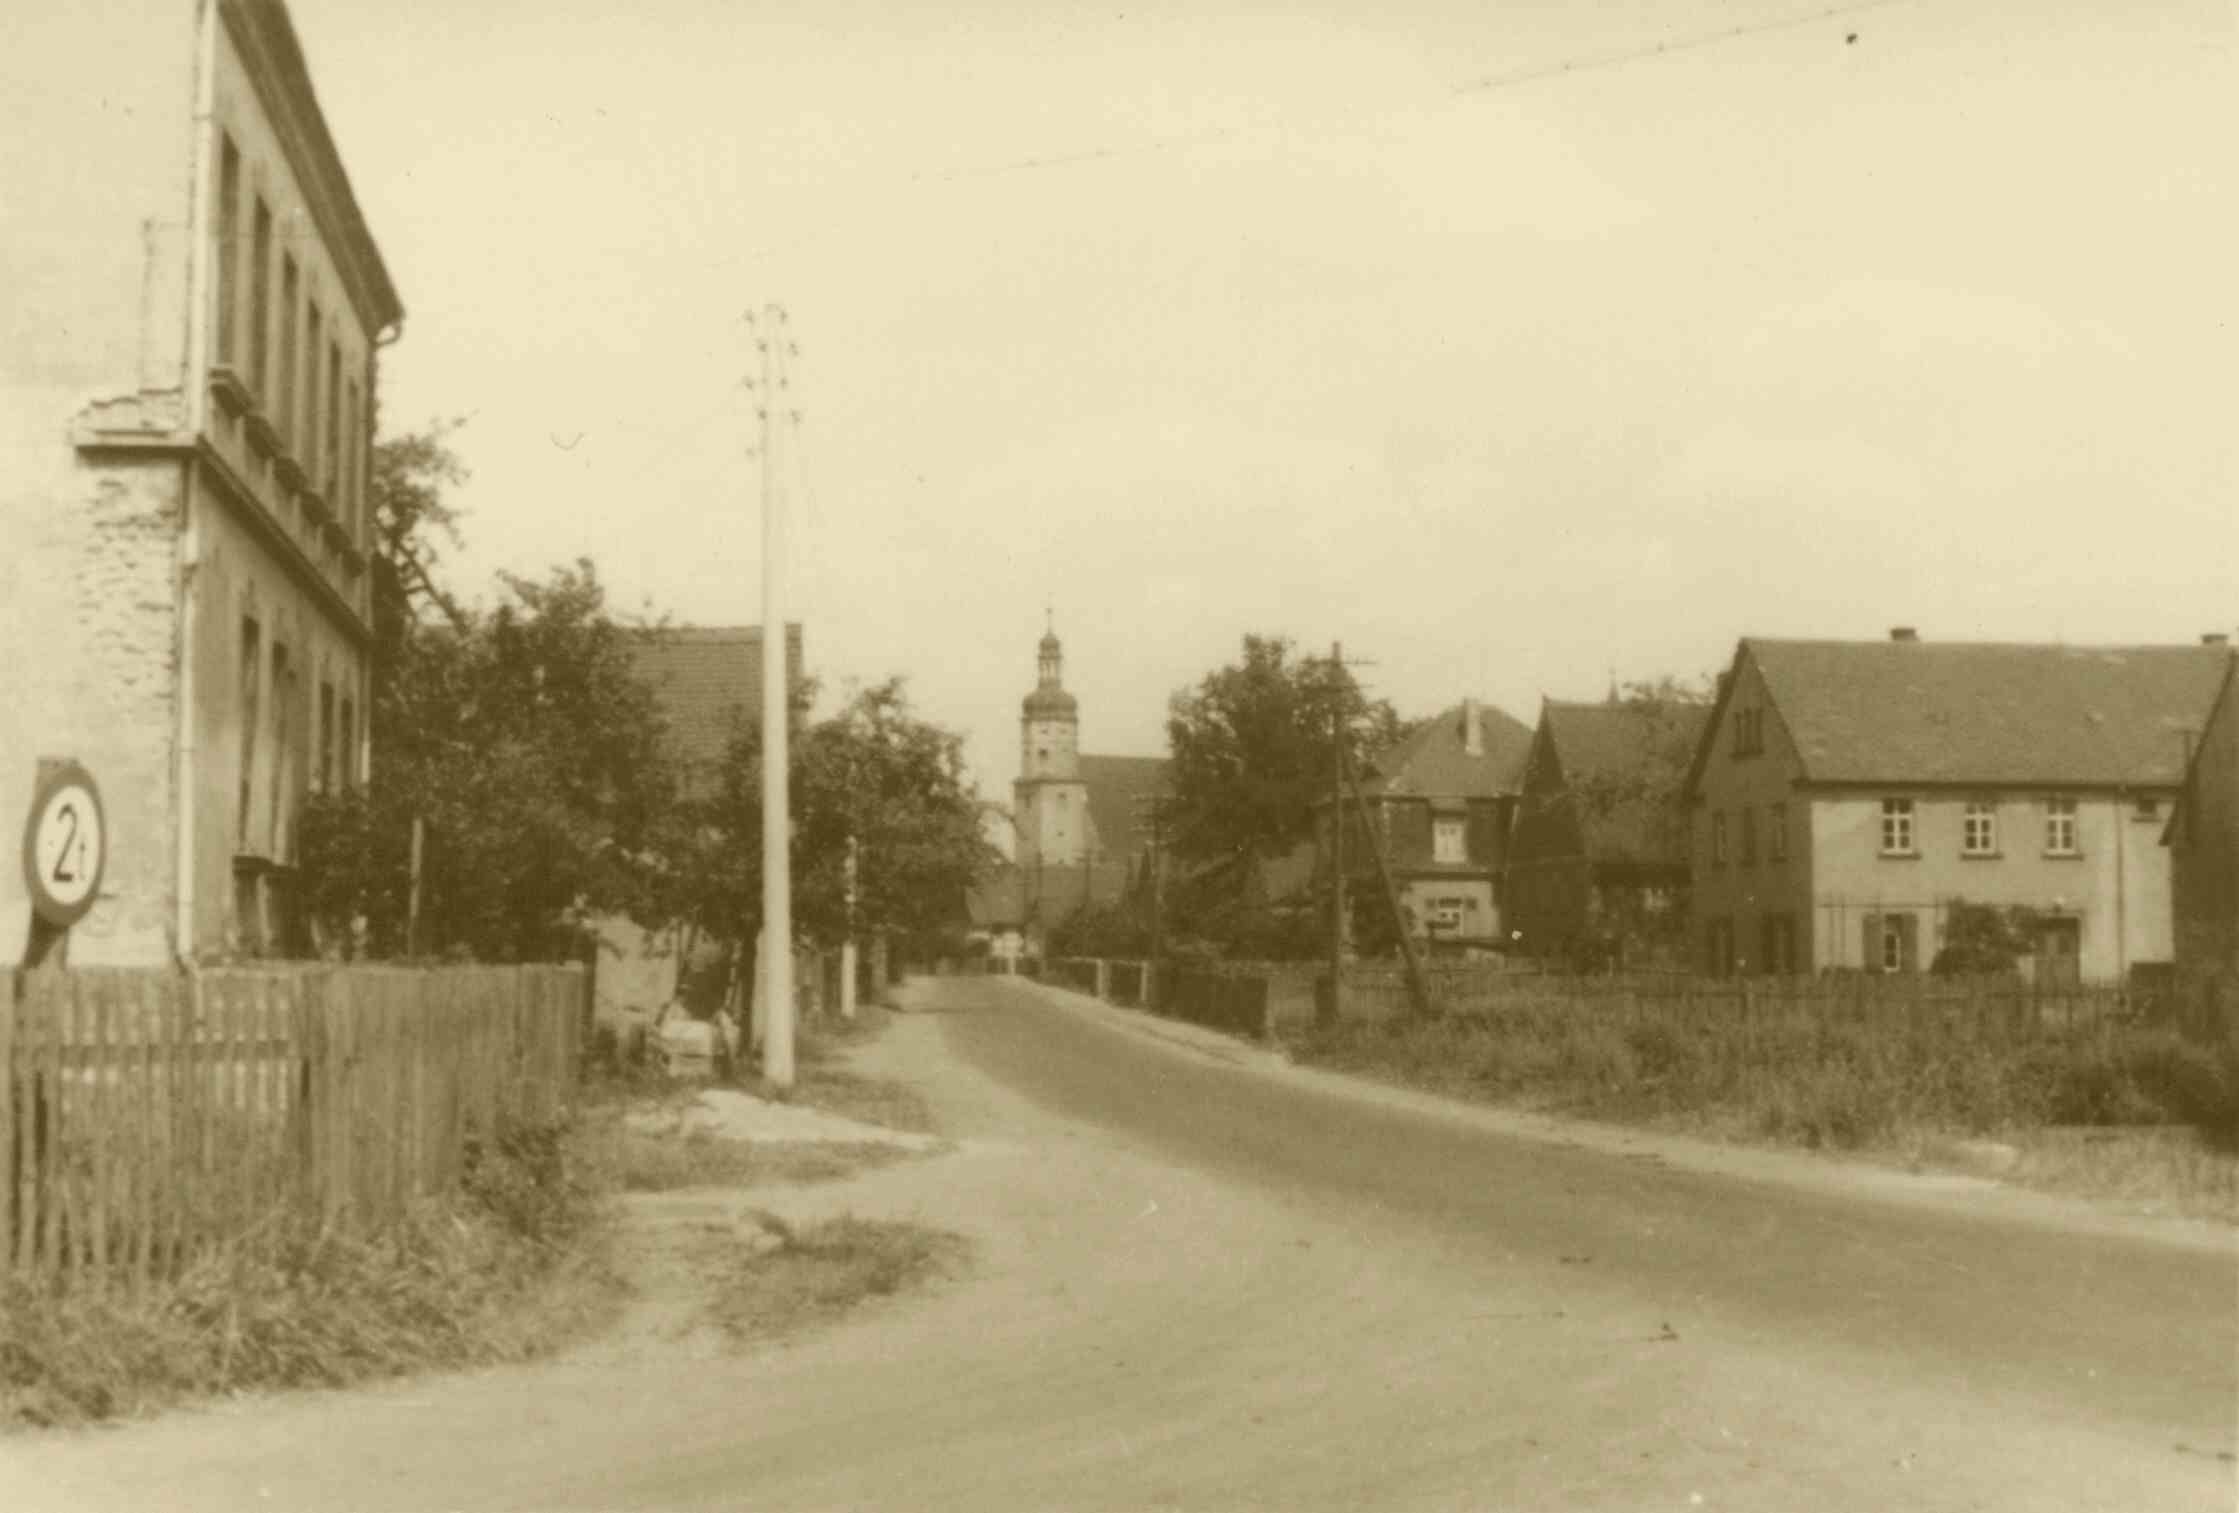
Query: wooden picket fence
(147,1115)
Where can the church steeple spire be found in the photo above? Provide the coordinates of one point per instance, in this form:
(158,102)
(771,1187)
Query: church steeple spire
(1052,662)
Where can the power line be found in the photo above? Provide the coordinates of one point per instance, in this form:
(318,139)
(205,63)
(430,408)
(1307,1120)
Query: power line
(1671,45)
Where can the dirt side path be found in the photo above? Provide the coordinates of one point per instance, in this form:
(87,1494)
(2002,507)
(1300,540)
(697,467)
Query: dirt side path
(1132,1334)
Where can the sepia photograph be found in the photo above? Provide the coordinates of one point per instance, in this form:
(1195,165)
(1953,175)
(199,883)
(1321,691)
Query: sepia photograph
(1025,755)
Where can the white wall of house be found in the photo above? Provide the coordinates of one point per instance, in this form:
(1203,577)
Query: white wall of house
(2115,884)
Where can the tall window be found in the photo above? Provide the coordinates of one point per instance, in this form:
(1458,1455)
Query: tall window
(1749,732)
(1718,839)
(1718,947)
(284,402)
(1449,841)
(1776,951)
(2060,827)
(1749,837)
(260,305)
(1776,833)
(353,483)
(326,738)
(1979,829)
(229,247)
(283,679)
(333,453)
(251,660)
(349,745)
(312,427)
(1896,827)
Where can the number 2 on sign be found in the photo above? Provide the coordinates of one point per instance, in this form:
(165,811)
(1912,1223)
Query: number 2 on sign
(68,815)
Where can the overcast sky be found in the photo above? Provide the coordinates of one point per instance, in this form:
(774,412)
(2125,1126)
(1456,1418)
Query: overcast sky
(1325,320)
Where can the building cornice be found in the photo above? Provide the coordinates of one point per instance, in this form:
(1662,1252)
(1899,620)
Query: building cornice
(265,39)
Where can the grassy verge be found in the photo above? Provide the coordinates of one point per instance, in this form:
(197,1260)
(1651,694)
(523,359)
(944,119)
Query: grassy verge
(813,1274)
(1843,1087)
(515,1267)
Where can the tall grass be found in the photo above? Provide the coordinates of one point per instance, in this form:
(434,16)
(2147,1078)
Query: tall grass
(500,1274)
(1793,1079)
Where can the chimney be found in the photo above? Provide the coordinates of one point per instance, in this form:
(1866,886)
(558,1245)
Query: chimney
(1903,633)
(1473,729)
(2215,638)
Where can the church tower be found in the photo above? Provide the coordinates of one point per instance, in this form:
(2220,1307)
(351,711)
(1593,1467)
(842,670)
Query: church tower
(1050,801)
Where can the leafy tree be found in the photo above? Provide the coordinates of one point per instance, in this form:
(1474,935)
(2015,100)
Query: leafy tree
(1252,751)
(875,772)
(412,519)
(521,739)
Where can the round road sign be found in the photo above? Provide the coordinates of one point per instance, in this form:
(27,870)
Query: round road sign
(65,844)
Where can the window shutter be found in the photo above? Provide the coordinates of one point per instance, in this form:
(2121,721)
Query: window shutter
(1908,938)
(1871,960)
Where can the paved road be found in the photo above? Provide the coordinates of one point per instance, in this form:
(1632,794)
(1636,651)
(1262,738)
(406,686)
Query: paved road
(1209,1282)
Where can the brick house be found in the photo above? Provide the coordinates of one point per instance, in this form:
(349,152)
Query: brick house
(1597,857)
(1444,799)
(2203,839)
(1845,794)
(188,356)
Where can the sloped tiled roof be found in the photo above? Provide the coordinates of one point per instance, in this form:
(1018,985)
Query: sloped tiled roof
(1114,785)
(1989,713)
(1435,762)
(1619,749)
(708,683)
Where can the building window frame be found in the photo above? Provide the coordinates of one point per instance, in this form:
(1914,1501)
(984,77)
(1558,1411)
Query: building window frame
(1749,731)
(1749,835)
(1449,840)
(251,674)
(260,305)
(228,231)
(308,449)
(1978,828)
(1776,832)
(1899,827)
(2062,836)
(1718,838)
(285,404)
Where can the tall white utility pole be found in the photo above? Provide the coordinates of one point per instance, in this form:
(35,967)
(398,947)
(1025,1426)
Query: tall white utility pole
(847,946)
(775,340)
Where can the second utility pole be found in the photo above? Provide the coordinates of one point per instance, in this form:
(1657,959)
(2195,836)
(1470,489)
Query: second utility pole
(777,821)
(1336,1006)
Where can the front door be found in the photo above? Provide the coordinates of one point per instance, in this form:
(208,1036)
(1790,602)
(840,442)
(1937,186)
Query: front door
(2059,952)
